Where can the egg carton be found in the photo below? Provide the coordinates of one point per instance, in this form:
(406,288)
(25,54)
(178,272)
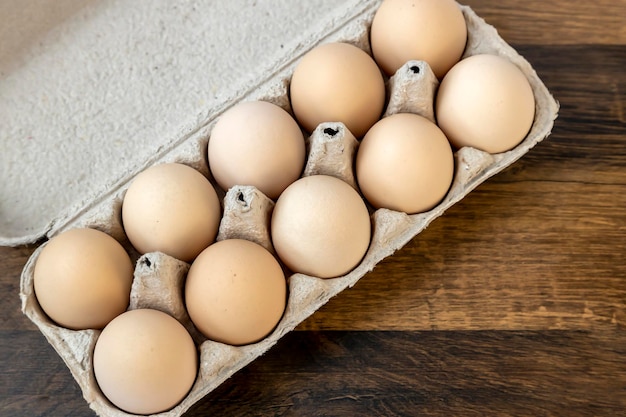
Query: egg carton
(159,279)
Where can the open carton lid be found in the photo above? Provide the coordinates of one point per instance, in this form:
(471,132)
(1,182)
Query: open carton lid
(92,92)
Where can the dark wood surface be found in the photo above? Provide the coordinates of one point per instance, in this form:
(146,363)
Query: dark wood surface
(513,303)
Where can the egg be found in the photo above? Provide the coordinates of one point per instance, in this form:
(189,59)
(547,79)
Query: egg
(404,163)
(235,292)
(145,361)
(485,102)
(337,82)
(320,226)
(256,143)
(171,208)
(428,30)
(82,279)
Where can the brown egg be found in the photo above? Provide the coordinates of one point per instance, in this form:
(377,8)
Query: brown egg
(235,292)
(404,163)
(145,361)
(82,279)
(256,143)
(320,227)
(337,82)
(485,102)
(428,30)
(171,208)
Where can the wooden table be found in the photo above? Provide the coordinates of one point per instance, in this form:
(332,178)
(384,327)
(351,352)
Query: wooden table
(512,303)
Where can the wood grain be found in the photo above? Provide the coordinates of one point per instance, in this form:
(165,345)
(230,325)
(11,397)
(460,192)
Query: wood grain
(335,373)
(556,22)
(512,304)
(432,373)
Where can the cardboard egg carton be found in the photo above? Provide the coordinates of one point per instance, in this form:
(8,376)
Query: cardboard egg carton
(159,279)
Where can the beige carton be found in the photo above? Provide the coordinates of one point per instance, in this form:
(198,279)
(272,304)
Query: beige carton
(158,278)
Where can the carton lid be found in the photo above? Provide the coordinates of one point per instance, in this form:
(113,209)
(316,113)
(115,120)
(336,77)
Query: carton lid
(92,91)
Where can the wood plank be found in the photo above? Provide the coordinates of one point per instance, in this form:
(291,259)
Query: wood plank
(546,373)
(35,380)
(588,81)
(12,262)
(527,255)
(431,373)
(560,22)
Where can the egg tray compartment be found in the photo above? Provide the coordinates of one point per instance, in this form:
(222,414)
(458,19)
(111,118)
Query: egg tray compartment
(159,279)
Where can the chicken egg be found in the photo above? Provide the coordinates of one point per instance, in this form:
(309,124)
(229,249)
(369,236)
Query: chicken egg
(256,143)
(235,292)
(337,82)
(404,163)
(171,208)
(485,102)
(145,361)
(320,227)
(82,279)
(428,30)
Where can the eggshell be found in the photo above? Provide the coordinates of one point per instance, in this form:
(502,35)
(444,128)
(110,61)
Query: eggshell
(82,279)
(145,361)
(429,30)
(486,102)
(320,227)
(405,163)
(337,82)
(235,292)
(171,208)
(256,143)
